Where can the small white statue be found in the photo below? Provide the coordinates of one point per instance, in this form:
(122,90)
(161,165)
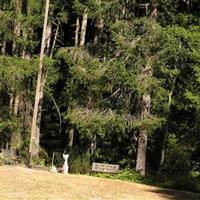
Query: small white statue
(65,166)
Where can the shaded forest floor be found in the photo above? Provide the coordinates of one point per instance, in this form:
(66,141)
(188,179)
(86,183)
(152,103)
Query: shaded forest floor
(28,184)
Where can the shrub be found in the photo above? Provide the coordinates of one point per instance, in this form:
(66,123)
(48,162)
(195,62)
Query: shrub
(130,175)
(125,174)
(188,181)
(80,164)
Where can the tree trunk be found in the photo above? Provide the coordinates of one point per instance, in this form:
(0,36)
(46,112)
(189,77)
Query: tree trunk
(24,34)
(70,138)
(144,112)
(17,35)
(154,11)
(98,30)
(16,142)
(54,40)
(16,139)
(166,127)
(11,103)
(35,127)
(162,157)
(26,107)
(17,4)
(143,136)
(16,136)
(48,38)
(83,29)
(77,31)
(124,11)
(25,53)
(16,105)
(141,152)
(93,147)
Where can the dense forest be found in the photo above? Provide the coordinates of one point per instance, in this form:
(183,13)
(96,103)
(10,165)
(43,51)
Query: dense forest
(110,81)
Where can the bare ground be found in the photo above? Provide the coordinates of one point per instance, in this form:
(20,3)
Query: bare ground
(18,183)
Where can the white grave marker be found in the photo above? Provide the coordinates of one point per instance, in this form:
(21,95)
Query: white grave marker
(65,166)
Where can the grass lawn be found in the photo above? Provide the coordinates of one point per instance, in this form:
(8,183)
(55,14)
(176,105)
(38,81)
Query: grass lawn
(18,183)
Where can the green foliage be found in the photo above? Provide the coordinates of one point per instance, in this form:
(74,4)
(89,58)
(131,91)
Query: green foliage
(129,175)
(188,181)
(52,75)
(177,160)
(99,88)
(13,72)
(179,12)
(116,83)
(95,8)
(125,175)
(96,122)
(80,164)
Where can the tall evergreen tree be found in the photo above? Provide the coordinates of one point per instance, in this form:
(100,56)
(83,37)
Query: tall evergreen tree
(35,128)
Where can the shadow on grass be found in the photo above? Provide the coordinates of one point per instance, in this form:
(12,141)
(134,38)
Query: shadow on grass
(175,194)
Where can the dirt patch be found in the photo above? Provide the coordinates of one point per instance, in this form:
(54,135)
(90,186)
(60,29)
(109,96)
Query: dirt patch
(18,183)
